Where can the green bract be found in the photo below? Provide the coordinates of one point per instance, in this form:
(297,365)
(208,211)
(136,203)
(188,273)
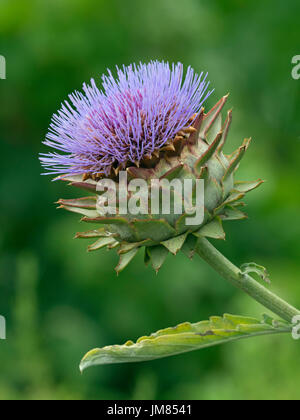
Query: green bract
(196,154)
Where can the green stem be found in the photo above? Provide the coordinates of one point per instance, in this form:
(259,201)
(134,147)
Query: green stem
(244,282)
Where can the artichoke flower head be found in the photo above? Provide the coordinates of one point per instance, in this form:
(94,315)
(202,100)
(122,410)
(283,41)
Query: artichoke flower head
(148,124)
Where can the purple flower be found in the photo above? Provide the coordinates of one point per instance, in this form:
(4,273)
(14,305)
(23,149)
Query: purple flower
(128,120)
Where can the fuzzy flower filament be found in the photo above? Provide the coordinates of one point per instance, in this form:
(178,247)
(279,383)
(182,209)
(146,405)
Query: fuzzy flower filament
(125,123)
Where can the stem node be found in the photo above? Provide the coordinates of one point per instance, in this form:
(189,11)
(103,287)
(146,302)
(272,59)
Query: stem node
(244,282)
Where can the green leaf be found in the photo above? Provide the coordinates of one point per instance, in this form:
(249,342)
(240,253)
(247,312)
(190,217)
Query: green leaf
(141,173)
(183,338)
(208,153)
(126,259)
(225,129)
(215,128)
(211,118)
(153,229)
(101,243)
(257,269)
(242,186)
(213,230)
(189,247)
(232,213)
(84,202)
(213,189)
(84,211)
(158,255)
(118,225)
(181,224)
(174,245)
(126,247)
(96,233)
(237,159)
(232,199)
(76,181)
(173,173)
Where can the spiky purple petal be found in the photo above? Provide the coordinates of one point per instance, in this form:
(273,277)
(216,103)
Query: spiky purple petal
(133,116)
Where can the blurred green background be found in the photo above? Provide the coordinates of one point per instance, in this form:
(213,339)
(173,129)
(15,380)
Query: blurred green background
(60,301)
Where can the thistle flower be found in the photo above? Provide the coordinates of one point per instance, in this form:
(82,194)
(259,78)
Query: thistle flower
(127,122)
(149,122)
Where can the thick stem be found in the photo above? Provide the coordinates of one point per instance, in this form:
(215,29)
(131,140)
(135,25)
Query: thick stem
(244,282)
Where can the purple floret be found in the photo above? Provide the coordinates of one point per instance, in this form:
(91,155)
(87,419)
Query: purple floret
(132,116)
